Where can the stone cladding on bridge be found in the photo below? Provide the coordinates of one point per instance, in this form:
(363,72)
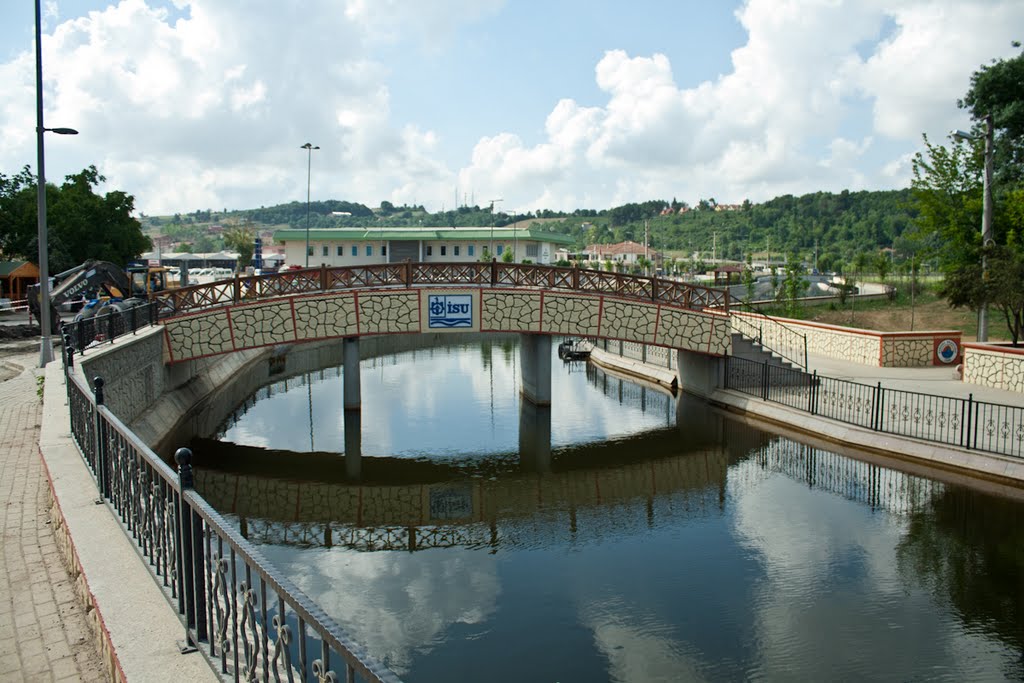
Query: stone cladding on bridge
(369,313)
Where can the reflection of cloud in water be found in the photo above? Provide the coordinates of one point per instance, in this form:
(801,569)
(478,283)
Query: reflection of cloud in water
(639,648)
(395,604)
(831,603)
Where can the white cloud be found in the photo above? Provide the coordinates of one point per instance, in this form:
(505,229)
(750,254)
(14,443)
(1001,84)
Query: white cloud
(206,106)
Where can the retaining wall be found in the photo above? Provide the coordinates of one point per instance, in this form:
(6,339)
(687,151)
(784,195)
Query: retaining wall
(989,365)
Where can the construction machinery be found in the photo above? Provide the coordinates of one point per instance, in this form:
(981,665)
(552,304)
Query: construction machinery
(101,286)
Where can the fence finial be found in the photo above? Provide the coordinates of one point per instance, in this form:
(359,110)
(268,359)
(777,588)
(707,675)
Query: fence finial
(183,456)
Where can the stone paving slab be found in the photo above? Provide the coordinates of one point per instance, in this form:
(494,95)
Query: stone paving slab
(44,631)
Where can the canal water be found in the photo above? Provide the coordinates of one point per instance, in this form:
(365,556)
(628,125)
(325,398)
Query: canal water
(622,535)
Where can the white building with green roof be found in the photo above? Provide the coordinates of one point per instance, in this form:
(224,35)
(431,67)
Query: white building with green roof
(366,246)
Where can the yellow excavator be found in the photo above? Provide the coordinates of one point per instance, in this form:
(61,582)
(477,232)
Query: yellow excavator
(102,286)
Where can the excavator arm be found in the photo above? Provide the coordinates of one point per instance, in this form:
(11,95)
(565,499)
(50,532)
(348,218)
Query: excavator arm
(76,282)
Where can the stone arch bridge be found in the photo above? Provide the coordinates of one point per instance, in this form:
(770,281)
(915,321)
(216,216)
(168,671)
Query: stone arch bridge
(414,298)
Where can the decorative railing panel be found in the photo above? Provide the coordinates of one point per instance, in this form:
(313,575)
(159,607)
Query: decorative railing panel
(965,423)
(84,333)
(407,274)
(248,620)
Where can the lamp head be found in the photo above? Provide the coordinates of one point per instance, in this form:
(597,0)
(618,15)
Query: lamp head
(62,131)
(961,135)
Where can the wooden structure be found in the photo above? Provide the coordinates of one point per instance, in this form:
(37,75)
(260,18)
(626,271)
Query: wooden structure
(15,277)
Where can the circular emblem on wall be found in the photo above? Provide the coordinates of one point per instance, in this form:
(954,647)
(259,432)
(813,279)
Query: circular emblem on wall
(947,351)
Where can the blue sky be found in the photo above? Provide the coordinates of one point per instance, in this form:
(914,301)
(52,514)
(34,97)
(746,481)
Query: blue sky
(191,104)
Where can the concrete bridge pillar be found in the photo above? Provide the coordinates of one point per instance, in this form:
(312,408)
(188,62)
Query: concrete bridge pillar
(535,364)
(353,444)
(534,436)
(350,373)
(699,373)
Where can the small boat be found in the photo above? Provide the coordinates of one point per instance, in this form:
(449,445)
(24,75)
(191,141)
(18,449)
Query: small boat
(574,349)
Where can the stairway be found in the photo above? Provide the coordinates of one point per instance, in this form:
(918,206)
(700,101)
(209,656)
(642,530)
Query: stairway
(744,347)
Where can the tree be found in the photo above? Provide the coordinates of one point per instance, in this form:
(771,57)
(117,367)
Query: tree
(81,224)
(997,89)
(882,265)
(947,189)
(241,238)
(794,285)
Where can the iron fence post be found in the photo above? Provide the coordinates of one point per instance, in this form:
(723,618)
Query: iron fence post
(190,572)
(876,414)
(972,426)
(102,478)
(765,377)
(812,395)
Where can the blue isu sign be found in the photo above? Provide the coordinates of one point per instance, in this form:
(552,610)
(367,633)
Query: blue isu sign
(450,310)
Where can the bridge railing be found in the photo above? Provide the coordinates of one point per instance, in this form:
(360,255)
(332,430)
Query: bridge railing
(248,620)
(965,423)
(771,334)
(83,334)
(408,274)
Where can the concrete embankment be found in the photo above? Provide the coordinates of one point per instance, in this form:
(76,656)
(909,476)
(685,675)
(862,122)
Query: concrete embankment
(1002,471)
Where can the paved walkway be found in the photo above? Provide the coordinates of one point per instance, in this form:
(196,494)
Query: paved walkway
(44,635)
(939,380)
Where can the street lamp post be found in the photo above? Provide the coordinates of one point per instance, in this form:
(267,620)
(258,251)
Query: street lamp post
(309,147)
(493,202)
(986,217)
(46,344)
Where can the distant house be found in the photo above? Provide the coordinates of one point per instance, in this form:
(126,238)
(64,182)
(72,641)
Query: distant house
(15,277)
(627,253)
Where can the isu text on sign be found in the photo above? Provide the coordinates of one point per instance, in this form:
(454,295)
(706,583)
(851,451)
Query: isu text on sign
(450,310)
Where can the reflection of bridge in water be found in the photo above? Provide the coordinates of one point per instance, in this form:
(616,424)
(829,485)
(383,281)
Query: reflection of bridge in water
(518,499)
(589,493)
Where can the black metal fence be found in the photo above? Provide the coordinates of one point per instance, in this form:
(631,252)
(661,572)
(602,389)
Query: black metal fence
(249,621)
(106,327)
(966,423)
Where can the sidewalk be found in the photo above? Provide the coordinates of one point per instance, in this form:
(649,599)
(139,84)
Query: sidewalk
(938,380)
(44,632)
(105,619)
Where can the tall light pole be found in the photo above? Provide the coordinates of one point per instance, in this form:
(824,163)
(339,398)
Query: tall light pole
(493,202)
(309,147)
(986,217)
(46,345)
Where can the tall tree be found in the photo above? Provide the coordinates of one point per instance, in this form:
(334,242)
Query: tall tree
(81,224)
(997,89)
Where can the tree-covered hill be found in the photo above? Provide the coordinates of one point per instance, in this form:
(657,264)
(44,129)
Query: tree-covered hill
(841,225)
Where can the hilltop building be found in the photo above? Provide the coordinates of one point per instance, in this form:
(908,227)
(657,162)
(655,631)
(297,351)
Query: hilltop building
(366,246)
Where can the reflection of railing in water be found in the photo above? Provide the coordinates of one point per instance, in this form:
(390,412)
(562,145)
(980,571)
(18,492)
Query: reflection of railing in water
(630,393)
(863,482)
(521,506)
(554,526)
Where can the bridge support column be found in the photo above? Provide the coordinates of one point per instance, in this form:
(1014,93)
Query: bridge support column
(535,366)
(350,373)
(353,444)
(534,436)
(699,373)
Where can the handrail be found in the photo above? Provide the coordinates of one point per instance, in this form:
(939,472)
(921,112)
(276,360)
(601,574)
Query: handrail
(248,621)
(770,333)
(965,423)
(407,274)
